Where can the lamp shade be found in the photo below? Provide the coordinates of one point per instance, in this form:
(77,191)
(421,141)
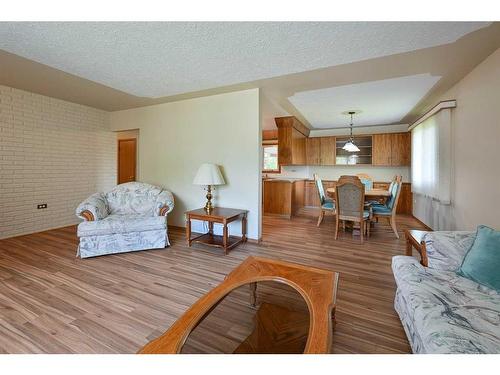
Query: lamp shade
(208,174)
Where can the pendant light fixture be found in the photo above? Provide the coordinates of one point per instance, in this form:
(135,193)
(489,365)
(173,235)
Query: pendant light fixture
(349,145)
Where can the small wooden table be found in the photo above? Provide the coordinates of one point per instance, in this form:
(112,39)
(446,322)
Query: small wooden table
(317,287)
(222,216)
(414,238)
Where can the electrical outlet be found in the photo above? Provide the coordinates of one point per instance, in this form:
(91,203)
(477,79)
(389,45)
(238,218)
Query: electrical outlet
(41,206)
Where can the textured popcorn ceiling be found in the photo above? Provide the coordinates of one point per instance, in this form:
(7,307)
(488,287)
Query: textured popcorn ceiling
(163,59)
(381,102)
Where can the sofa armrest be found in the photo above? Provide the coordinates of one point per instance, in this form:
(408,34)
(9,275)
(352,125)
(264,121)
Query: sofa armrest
(447,249)
(164,203)
(93,208)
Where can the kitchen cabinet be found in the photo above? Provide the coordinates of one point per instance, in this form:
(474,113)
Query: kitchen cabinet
(320,151)
(282,197)
(393,149)
(292,135)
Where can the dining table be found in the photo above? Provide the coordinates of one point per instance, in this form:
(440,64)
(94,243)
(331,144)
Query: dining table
(369,194)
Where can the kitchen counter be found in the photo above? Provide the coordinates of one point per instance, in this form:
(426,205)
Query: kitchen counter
(282,196)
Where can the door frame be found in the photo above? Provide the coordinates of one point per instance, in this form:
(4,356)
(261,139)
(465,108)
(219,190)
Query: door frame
(118,157)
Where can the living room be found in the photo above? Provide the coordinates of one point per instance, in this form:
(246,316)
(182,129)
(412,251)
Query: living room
(208,187)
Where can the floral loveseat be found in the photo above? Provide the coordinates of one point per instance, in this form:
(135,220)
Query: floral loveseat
(131,217)
(441,311)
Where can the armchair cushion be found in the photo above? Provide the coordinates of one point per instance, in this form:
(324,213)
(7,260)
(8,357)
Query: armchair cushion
(113,224)
(96,204)
(133,198)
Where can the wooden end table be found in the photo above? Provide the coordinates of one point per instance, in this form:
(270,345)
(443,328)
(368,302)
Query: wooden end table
(222,216)
(414,238)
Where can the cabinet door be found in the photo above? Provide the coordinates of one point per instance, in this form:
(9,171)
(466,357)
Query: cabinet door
(381,149)
(313,154)
(327,156)
(401,149)
(311,197)
(284,145)
(298,148)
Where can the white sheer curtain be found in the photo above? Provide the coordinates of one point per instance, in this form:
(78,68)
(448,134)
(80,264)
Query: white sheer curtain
(431,157)
(431,171)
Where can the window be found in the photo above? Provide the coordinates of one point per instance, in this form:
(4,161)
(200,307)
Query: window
(431,165)
(270,158)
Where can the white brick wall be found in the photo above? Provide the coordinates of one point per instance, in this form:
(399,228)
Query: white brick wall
(53,152)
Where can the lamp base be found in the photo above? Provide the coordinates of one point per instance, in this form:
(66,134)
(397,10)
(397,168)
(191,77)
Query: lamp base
(208,205)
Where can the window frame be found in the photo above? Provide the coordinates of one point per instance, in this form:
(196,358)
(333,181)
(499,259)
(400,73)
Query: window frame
(270,143)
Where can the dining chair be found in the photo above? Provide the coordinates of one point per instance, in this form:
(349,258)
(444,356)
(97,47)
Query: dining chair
(388,210)
(326,204)
(367,180)
(350,203)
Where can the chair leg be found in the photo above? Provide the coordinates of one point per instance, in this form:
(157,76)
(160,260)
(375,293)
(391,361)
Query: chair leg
(320,218)
(368,224)
(336,227)
(392,221)
(361,230)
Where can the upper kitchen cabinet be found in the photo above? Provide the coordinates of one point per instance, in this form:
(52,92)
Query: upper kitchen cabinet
(320,151)
(391,149)
(292,135)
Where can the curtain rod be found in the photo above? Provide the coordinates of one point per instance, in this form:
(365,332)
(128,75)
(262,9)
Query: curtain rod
(441,105)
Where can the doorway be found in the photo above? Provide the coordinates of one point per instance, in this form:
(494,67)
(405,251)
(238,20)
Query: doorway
(127,160)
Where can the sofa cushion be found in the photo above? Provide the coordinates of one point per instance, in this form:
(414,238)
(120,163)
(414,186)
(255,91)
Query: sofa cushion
(482,261)
(446,249)
(446,312)
(113,224)
(133,198)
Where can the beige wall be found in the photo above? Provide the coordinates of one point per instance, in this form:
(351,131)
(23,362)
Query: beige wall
(475,127)
(175,138)
(53,152)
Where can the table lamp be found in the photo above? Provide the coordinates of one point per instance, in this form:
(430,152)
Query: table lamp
(208,174)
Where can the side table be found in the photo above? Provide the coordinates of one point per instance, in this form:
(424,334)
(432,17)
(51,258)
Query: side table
(222,216)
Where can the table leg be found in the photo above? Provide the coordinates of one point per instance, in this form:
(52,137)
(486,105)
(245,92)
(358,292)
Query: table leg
(244,228)
(408,247)
(253,294)
(224,238)
(188,230)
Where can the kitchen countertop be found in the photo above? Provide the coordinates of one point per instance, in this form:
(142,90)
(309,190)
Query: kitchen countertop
(285,179)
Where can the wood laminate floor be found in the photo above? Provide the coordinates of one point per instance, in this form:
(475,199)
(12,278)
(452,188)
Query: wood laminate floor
(53,302)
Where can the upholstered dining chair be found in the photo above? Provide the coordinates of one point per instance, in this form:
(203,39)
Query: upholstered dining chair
(367,180)
(388,210)
(350,203)
(326,204)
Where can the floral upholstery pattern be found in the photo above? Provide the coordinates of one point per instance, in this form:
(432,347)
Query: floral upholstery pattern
(113,224)
(96,204)
(130,217)
(443,312)
(446,249)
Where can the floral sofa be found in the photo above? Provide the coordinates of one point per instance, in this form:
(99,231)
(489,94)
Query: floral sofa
(130,217)
(441,311)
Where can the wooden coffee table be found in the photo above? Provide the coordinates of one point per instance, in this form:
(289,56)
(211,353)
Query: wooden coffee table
(222,216)
(234,318)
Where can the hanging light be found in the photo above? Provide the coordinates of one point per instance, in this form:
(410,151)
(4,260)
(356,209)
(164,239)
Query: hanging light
(349,145)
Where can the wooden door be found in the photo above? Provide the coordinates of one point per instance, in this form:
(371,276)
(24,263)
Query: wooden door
(381,149)
(127,156)
(313,154)
(327,151)
(401,149)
